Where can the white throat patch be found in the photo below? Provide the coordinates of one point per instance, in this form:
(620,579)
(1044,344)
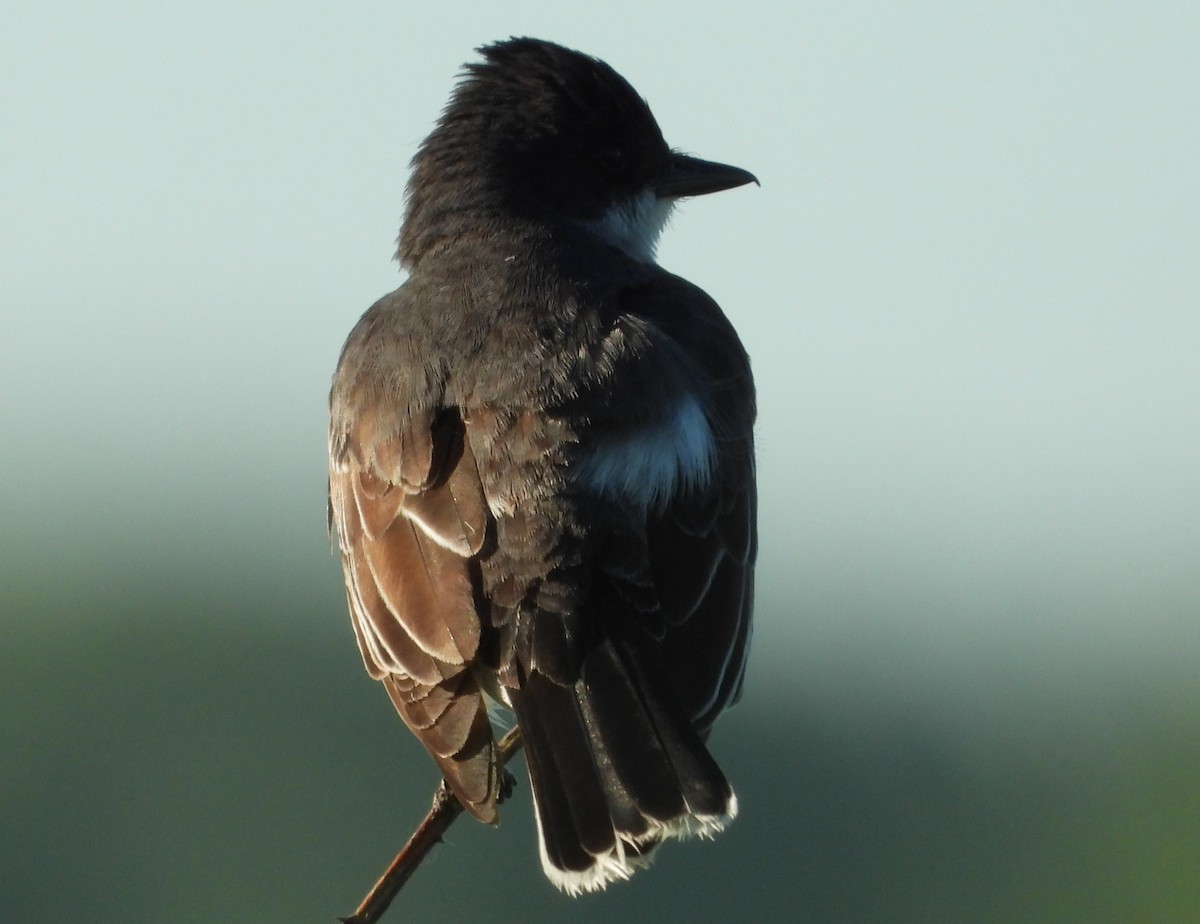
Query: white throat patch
(634,225)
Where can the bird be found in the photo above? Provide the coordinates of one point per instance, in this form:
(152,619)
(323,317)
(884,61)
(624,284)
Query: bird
(542,471)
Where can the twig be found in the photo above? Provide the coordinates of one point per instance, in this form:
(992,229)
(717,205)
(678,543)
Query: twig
(441,815)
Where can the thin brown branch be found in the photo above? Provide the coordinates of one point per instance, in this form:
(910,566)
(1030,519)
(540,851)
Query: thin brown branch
(441,815)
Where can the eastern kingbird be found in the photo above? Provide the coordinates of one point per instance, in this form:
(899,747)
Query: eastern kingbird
(541,466)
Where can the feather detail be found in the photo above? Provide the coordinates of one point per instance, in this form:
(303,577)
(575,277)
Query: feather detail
(615,772)
(409,513)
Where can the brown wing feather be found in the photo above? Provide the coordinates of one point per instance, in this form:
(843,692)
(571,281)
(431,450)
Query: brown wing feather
(409,513)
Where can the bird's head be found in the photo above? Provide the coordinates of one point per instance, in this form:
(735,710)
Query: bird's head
(539,132)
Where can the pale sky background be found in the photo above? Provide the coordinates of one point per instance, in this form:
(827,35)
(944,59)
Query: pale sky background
(969,282)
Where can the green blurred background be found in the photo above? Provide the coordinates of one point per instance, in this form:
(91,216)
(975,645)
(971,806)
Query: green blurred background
(970,287)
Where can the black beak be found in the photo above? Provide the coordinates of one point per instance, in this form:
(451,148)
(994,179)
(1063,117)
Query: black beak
(691,176)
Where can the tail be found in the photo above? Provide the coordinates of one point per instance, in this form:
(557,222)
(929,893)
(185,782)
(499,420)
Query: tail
(616,769)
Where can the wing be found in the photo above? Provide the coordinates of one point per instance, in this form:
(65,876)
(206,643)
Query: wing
(701,547)
(702,553)
(410,515)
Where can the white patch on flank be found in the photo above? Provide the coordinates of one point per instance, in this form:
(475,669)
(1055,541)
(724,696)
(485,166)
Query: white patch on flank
(614,864)
(650,463)
(633,225)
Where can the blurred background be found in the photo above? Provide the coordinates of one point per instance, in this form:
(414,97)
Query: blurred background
(970,287)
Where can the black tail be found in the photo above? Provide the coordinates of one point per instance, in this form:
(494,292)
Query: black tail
(615,769)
